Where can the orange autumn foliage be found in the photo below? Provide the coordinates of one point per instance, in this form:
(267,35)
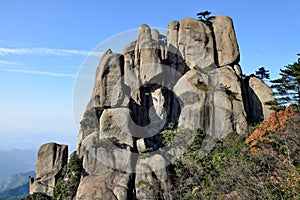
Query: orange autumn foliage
(274,124)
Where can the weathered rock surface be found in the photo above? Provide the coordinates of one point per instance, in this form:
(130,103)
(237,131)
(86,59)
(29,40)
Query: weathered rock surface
(52,158)
(111,146)
(112,186)
(259,93)
(206,105)
(194,100)
(226,42)
(175,59)
(232,81)
(107,81)
(116,123)
(195,43)
(172,35)
(153,181)
(146,51)
(147,55)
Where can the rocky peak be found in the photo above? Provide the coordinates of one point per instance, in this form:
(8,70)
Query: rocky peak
(226,45)
(52,158)
(192,80)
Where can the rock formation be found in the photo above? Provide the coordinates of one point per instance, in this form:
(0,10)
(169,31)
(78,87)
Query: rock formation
(258,94)
(52,158)
(225,40)
(191,79)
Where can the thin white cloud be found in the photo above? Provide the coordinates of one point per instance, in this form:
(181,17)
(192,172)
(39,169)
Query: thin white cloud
(46,73)
(44,51)
(5,62)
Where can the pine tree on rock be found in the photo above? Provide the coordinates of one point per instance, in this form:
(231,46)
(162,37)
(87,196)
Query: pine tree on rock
(205,18)
(262,73)
(203,15)
(287,87)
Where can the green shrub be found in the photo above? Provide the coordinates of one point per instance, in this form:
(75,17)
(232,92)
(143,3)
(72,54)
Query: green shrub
(215,174)
(169,135)
(37,196)
(197,139)
(108,144)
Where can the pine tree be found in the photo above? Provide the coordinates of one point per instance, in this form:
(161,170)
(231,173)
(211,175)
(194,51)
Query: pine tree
(205,18)
(287,87)
(262,73)
(203,15)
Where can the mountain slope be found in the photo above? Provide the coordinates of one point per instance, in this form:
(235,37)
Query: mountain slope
(16,161)
(16,180)
(15,193)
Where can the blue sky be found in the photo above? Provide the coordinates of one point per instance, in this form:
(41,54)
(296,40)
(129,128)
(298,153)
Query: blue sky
(44,43)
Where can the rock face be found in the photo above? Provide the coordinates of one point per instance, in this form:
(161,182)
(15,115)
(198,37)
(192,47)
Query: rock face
(111,186)
(258,94)
(152,181)
(52,158)
(229,78)
(195,43)
(186,81)
(110,68)
(225,41)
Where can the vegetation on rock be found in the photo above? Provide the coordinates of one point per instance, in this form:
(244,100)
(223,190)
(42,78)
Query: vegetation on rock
(37,196)
(205,18)
(66,187)
(91,118)
(287,87)
(262,73)
(264,164)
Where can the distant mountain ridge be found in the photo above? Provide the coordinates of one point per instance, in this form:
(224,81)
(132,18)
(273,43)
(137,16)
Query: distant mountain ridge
(15,193)
(16,161)
(16,180)
(16,186)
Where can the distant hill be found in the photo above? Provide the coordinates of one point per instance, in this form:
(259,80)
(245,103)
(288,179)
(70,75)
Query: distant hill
(16,161)
(16,193)
(15,181)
